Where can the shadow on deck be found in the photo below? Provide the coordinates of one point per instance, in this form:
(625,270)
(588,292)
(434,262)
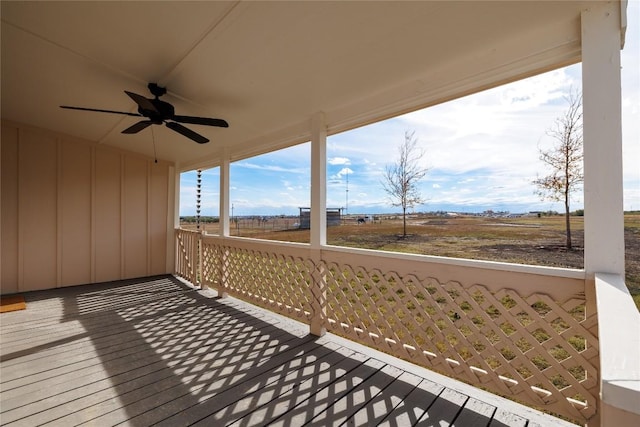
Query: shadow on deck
(155,351)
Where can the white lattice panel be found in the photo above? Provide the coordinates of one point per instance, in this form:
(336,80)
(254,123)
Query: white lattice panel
(272,280)
(529,348)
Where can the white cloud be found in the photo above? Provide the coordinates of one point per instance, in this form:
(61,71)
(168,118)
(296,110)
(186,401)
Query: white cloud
(341,173)
(338,161)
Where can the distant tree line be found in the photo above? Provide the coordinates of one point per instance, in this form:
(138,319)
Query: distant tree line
(203,219)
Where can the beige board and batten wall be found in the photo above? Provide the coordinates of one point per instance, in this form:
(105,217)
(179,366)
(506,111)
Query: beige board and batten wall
(75,212)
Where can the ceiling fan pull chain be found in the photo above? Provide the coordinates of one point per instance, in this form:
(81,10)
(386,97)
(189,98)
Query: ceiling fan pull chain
(153,139)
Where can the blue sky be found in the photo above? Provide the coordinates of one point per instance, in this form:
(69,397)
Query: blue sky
(481,151)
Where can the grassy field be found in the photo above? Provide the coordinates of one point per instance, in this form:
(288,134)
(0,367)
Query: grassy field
(523,240)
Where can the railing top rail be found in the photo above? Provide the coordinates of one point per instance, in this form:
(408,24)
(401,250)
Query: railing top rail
(185,230)
(247,242)
(619,334)
(568,273)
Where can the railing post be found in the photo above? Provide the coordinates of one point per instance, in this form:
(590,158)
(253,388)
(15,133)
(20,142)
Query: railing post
(319,297)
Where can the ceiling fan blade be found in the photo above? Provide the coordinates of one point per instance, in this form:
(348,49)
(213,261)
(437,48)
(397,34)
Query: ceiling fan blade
(201,121)
(187,132)
(138,126)
(142,102)
(100,111)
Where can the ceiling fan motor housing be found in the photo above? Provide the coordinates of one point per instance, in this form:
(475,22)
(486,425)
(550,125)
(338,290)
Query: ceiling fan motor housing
(156,90)
(163,111)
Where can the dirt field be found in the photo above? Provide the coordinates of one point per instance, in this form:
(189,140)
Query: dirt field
(524,240)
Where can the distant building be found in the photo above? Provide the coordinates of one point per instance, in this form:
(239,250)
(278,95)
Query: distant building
(334,217)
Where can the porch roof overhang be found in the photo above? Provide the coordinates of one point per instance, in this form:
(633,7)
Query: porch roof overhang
(266,67)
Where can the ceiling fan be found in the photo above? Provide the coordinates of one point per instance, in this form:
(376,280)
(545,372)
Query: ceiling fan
(158,112)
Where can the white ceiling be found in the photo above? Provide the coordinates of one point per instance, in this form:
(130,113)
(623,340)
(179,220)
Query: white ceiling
(265,67)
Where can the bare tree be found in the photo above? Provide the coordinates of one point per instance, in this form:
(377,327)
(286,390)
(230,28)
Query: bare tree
(564,159)
(401,178)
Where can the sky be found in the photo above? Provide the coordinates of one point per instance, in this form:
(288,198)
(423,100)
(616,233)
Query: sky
(481,151)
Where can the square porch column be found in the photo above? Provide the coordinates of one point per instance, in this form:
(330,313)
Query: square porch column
(602,138)
(224,221)
(224,193)
(318,181)
(318,221)
(604,257)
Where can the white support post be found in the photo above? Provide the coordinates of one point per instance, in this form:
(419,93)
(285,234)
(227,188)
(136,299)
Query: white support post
(173,218)
(603,191)
(318,221)
(225,184)
(224,193)
(318,181)
(602,136)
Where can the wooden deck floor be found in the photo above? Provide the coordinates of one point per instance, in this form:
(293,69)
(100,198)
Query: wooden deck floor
(157,352)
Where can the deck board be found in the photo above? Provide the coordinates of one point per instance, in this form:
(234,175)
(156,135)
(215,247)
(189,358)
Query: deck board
(156,351)
(475,413)
(385,403)
(357,398)
(414,405)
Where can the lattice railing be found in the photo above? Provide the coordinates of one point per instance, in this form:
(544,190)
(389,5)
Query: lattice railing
(521,332)
(524,346)
(187,254)
(274,276)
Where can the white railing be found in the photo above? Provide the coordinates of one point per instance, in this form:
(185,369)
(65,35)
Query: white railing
(188,255)
(519,331)
(274,275)
(619,326)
